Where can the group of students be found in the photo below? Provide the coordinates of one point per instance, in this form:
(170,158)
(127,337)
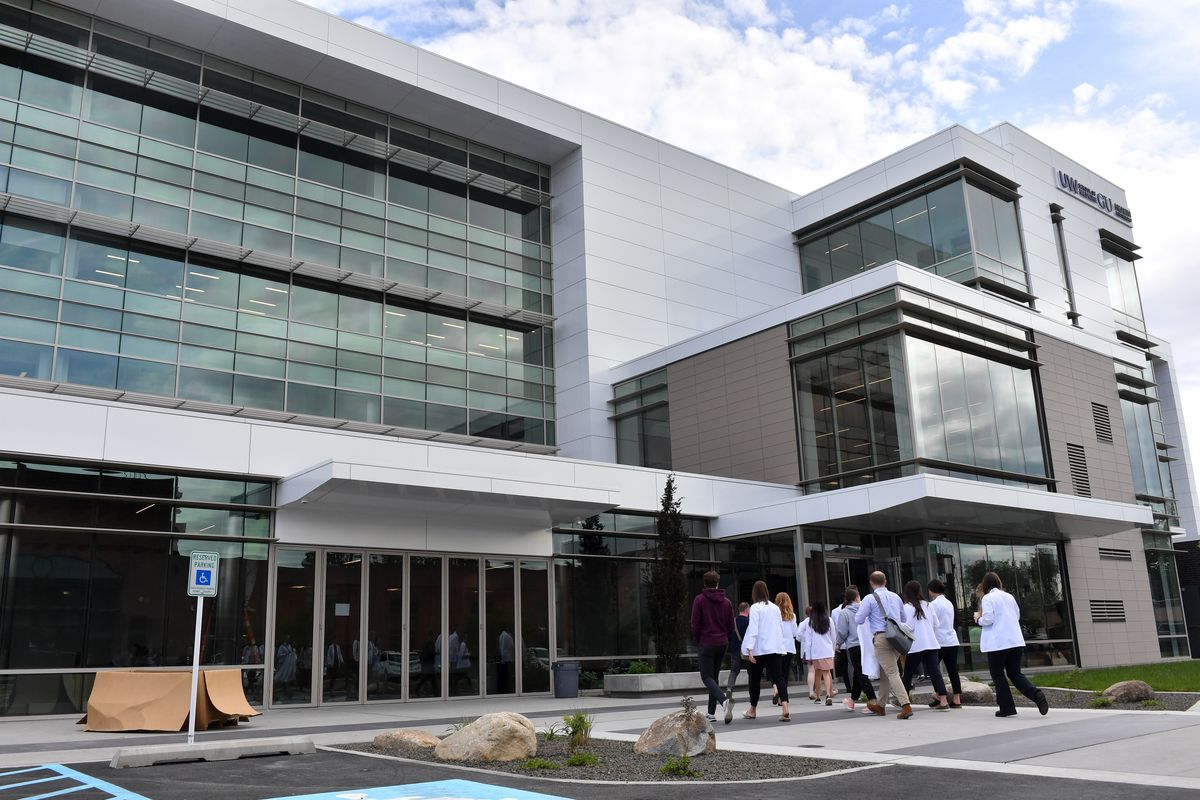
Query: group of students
(765,636)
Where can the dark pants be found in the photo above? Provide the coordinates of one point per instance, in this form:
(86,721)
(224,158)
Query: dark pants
(786,666)
(841,664)
(1005,666)
(860,684)
(710,657)
(949,657)
(772,664)
(929,660)
(735,669)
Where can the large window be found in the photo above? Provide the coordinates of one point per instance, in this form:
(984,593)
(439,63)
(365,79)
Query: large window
(1164,593)
(959,231)
(1123,290)
(643,421)
(93,571)
(899,382)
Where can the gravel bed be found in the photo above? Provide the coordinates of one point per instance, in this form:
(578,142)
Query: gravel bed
(618,762)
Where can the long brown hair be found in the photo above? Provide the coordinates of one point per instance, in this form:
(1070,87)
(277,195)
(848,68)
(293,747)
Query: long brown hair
(759,593)
(912,594)
(991,581)
(819,618)
(785,606)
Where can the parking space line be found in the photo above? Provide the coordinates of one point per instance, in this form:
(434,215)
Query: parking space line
(79,780)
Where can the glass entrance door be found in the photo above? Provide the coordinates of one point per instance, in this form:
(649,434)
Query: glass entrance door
(341,641)
(843,572)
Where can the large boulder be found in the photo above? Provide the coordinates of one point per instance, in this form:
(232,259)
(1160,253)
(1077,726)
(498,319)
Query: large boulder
(399,740)
(977,693)
(1129,692)
(493,737)
(678,734)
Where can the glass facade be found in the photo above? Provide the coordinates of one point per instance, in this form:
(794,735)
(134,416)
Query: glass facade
(93,572)
(1123,292)
(600,573)
(959,231)
(361,197)
(1165,595)
(899,382)
(643,421)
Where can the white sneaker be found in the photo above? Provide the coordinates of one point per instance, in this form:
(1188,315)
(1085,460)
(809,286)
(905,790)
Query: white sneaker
(711,717)
(727,707)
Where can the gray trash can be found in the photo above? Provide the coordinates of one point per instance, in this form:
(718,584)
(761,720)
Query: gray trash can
(566,678)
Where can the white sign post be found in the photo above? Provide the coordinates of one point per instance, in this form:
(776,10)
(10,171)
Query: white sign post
(203,570)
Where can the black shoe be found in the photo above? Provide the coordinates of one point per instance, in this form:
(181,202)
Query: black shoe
(934,703)
(1006,713)
(1040,699)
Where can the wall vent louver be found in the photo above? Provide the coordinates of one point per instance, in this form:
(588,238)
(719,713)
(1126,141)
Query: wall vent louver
(1115,554)
(1108,610)
(1077,461)
(1103,422)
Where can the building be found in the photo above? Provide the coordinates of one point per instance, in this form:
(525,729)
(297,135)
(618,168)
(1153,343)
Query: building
(416,350)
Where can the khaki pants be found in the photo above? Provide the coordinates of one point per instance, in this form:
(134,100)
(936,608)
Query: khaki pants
(889,673)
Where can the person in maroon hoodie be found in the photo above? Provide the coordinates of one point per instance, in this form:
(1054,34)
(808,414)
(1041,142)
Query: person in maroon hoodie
(712,628)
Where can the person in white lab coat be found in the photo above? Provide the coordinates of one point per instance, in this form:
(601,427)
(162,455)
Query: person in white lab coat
(804,637)
(1002,640)
(763,647)
(821,644)
(943,613)
(924,651)
(791,634)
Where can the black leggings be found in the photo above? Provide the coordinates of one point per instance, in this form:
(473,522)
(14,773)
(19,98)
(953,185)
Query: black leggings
(949,657)
(929,660)
(772,664)
(860,684)
(1005,666)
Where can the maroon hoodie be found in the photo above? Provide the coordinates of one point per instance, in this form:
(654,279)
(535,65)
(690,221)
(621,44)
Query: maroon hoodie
(712,618)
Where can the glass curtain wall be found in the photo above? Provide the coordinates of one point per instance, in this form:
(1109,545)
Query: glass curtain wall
(93,572)
(1123,292)
(1164,594)
(959,231)
(643,421)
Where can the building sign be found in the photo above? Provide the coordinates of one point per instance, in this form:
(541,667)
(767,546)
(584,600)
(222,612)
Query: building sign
(437,790)
(1092,197)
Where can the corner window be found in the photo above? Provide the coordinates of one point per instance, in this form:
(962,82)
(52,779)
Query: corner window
(643,422)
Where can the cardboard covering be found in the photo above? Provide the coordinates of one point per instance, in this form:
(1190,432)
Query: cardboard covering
(157,700)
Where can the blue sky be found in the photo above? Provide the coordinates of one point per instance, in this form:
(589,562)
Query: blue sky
(802,92)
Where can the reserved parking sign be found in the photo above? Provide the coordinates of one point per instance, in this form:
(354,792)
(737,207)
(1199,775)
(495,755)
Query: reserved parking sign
(203,569)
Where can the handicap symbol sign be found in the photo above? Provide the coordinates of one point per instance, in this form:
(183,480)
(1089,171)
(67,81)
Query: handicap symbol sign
(204,577)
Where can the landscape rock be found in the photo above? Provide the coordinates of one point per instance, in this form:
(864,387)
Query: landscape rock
(398,740)
(493,737)
(678,734)
(977,693)
(1129,692)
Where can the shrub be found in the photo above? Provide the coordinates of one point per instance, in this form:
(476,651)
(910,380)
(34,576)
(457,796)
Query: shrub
(578,727)
(553,731)
(455,727)
(641,668)
(582,758)
(1101,702)
(679,767)
(540,763)
(1151,703)
(590,679)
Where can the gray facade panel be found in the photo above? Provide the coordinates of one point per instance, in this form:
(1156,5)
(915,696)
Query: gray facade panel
(732,412)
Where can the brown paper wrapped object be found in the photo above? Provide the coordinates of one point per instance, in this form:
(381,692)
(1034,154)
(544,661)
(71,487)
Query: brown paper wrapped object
(225,693)
(139,701)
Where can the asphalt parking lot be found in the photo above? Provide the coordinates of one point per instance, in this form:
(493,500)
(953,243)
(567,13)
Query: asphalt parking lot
(344,773)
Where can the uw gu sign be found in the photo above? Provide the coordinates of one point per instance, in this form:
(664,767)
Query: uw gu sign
(1091,196)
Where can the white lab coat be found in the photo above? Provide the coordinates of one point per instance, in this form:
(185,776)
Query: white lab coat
(790,632)
(942,611)
(924,635)
(1001,622)
(764,634)
(867,645)
(804,636)
(820,644)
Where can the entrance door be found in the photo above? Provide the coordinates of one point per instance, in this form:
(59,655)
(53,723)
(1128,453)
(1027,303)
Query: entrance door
(342,645)
(843,572)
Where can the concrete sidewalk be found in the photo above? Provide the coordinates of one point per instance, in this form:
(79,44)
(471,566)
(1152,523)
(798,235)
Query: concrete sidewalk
(1142,747)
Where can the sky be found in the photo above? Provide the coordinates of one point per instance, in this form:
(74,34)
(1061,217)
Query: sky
(803,92)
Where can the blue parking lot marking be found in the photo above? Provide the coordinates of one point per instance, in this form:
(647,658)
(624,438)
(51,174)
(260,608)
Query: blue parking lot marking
(436,790)
(63,783)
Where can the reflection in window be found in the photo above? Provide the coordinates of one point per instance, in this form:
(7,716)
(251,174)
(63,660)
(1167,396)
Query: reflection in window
(643,421)
(1123,291)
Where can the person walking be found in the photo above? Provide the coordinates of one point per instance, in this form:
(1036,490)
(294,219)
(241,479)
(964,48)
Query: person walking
(821,650)
(876,610)
(846,638)
(735,656)
(925,650)
(791,632)
(712,628)
(763,647)
(1004,643)
(943,613)
(840,665)
(804,638)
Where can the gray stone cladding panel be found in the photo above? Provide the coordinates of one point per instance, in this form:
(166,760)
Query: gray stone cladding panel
(732,412)
(1072,378)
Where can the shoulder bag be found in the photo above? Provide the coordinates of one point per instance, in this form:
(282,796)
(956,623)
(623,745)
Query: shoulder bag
(898,635)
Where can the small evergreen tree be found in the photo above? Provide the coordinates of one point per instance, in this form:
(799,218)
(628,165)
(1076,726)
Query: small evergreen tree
(667,582)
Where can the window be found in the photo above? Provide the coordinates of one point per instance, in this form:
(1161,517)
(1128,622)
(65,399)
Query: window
(1164,594)
(1123,290)
(958,230)
(643,421)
